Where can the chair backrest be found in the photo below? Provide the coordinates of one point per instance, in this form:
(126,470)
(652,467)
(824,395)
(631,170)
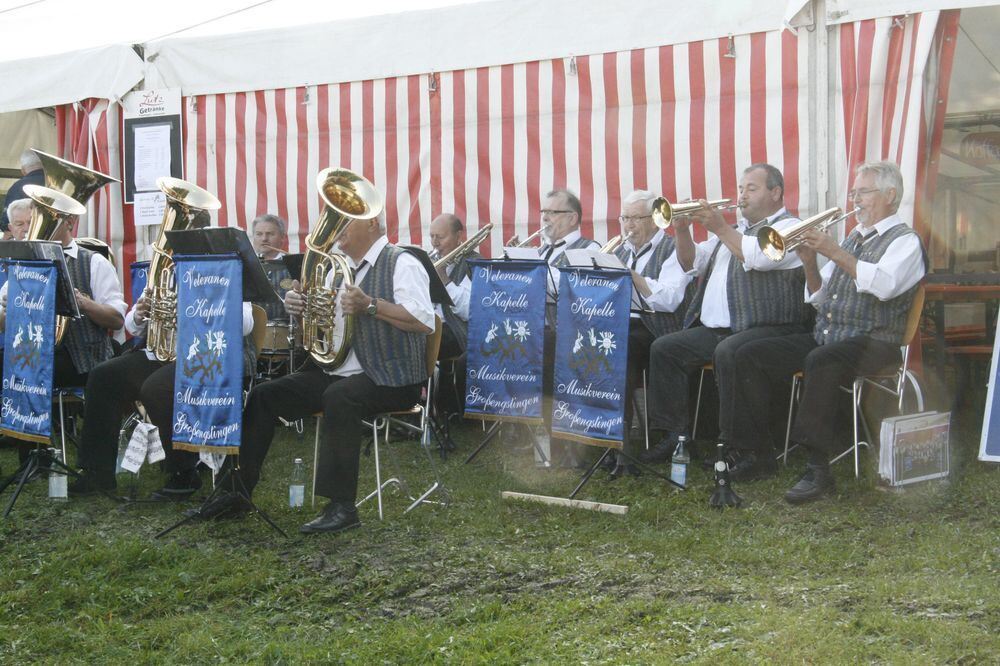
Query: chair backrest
(434,345)
(259,332)
(913,318)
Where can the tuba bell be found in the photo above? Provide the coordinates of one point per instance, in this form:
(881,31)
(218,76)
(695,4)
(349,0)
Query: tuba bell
(186,205)
(347,196)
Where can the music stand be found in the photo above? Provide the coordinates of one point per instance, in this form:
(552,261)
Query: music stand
(39,459)
(293,262)
(256,287)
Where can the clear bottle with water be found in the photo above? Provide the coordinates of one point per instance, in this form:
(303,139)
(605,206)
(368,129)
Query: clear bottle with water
(57,478)
(679,462)
(297,487)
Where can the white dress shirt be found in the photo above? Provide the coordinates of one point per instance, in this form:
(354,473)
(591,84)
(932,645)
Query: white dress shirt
(715,306)
(105,288)
(410,288)
(667,289)
(459,293)
(901,267)
(552,290)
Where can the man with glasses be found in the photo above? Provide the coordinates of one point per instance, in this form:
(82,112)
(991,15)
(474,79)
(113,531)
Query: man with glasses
(862,297)
(741,296)
(660,295)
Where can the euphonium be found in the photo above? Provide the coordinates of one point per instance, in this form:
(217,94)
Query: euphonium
(184,203)
(347,196)
(776,244)
(465,248)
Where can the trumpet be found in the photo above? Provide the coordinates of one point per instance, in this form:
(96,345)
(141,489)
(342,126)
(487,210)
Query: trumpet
(613,244)
(514,242)
(776,244)
(465,248)
(664,211)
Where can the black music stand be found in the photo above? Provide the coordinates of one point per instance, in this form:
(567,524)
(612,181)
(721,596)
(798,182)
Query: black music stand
(256,287)
(520,254)
(39,459)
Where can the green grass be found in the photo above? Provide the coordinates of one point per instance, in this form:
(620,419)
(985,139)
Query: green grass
(866,576)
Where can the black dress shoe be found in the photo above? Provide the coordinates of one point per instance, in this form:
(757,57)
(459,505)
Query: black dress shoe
(747,466)
(336,517)
(661,451)
(89,483)
(817,482)
(179,487)
(224,505)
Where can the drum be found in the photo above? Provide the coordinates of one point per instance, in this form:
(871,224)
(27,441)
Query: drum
(276,338)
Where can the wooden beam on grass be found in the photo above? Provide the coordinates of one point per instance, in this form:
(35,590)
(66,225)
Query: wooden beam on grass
(619,509)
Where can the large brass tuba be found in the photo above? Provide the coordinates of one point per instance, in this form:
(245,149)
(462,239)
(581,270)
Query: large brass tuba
(184,203)
(346,196)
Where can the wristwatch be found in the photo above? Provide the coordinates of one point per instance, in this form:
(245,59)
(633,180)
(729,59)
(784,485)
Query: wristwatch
(372,307)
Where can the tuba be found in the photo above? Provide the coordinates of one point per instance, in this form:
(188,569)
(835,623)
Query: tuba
(185,202)
(347,196)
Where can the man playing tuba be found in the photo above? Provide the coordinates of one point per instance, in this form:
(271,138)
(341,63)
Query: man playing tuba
(384,370)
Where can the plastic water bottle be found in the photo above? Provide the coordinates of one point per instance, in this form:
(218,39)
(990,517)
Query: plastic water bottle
(679,462)
(57,479)
(297,488)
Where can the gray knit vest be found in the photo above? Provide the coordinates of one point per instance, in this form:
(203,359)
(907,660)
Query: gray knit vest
(389,356)
(766,298)
(659,323)
(87,343)
(846,313)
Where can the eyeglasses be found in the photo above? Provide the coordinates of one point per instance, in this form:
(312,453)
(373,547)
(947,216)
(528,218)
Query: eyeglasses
(550,212)
(625,219)
(857,194)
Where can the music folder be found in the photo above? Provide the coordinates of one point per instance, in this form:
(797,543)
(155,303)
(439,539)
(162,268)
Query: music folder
(293,262)
(47,251)
(227,240)
(593,259)
(521,253)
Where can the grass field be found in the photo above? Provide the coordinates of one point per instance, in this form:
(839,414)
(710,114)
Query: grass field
(867,576)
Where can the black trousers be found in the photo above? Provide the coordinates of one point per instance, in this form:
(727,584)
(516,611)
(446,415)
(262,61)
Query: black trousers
(823,412)
(450,396)
(112,389)
(639,340)
(344,402)
(675,357)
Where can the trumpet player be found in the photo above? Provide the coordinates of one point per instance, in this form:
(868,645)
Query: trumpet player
(741,296)
(862,297)
(659,296)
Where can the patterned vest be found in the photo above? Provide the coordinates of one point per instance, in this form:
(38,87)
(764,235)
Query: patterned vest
(87,344)
(389,356)
(766,298)
(659,323)
(847,313)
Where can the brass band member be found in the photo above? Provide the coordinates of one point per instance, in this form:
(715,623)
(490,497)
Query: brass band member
(384,370)
(658,294)
(19,217)
(742,295)
(862,297)
(269,236)
(447,232)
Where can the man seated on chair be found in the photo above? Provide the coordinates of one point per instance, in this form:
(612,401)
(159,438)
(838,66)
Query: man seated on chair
(268,235)
(660,294)
(114,386)
(385,370)
(862,297)
(87,341)
(741,296)
(447,232)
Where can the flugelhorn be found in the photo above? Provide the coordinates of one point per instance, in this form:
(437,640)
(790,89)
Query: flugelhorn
(612,244)
(664,211)
(514,242)
(465,248)
(776,244)
(347,196)
(184,202)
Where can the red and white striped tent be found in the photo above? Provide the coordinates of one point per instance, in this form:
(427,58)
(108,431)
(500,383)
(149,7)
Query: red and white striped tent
(481,109)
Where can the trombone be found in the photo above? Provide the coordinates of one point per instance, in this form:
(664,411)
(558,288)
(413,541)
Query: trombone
(664,211)
(776,244)
(465,248)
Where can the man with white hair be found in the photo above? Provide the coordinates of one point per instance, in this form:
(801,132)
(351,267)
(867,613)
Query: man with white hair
(19,219)
(384,371)
(862,297)
(31,167)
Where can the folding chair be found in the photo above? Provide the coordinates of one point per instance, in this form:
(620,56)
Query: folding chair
(893,383)
(380,424)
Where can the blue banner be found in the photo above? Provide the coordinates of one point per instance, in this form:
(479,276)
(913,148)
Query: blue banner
(506,340)
(139,271)
(29,341)
(208,381)
(3,281)
(588,391)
